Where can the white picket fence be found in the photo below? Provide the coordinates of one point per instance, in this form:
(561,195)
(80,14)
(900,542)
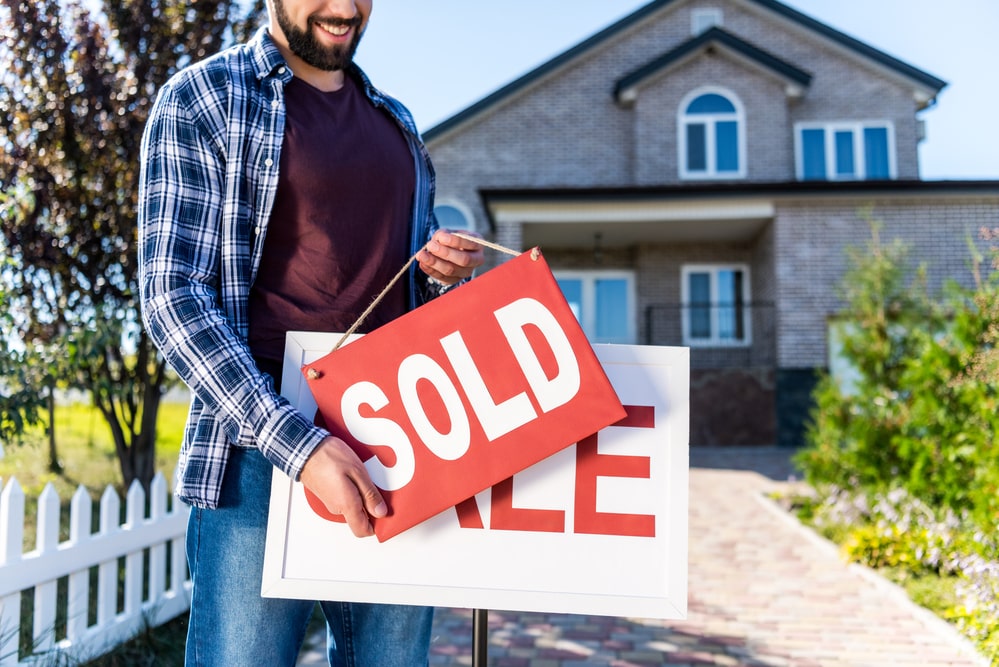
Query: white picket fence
(148,599)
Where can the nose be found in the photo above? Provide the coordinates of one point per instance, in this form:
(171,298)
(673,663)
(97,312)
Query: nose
(342,8)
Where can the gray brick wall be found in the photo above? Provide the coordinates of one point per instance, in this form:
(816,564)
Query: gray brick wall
(811,241)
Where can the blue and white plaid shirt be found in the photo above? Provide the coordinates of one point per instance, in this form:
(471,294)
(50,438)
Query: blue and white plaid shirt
(209,172)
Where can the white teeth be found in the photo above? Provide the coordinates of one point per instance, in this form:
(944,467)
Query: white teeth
(338,30)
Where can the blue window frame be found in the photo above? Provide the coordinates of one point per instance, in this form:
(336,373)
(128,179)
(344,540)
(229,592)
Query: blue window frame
(603,302)
(876,156)
(844,151)
(813,143)
(716,309)
(711,134)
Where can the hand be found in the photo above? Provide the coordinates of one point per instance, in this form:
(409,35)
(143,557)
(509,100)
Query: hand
(337,477)
(449,258)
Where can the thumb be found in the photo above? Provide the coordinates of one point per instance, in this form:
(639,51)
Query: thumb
(374,504)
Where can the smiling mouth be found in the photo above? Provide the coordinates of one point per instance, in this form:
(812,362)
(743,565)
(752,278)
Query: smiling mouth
(338,30)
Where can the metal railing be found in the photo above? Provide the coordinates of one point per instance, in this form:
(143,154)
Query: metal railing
(718,335)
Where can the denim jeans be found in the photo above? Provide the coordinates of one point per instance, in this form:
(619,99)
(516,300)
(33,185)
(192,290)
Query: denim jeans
(231,625)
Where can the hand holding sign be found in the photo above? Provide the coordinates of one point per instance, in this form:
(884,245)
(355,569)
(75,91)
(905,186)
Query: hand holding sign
(464,392)
(449,257)
(335,474)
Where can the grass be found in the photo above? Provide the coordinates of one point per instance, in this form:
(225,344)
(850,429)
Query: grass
(87,457)
(85,450)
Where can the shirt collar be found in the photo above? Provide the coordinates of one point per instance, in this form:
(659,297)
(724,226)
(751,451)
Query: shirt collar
(266,57)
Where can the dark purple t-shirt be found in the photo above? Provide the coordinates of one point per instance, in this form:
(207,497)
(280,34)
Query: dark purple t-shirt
(339,229)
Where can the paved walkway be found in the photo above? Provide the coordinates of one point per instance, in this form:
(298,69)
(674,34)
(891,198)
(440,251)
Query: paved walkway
(763,592)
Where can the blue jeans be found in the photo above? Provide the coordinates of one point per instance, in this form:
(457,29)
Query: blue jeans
(231,625)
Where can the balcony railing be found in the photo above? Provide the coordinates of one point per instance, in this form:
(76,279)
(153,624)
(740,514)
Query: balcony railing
(718,335)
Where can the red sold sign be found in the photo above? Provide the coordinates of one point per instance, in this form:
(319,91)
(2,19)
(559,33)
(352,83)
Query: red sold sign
(464,392)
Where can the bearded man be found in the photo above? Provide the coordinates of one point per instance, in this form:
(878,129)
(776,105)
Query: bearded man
(280,191)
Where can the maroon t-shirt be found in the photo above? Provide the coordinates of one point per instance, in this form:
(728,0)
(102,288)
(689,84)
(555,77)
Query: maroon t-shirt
(339,229)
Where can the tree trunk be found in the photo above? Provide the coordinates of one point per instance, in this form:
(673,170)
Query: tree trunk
(54,465)
(131,414)
(145,442)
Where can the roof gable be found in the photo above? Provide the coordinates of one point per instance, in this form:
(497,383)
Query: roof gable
(626,87)
(865,51)
(861,48)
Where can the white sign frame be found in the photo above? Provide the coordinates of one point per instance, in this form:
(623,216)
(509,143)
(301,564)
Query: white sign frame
(438,563)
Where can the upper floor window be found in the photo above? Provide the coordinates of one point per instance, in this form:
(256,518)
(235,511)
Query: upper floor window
(845,151)
(451,215)
(712,138)
(716,305)
(603,302)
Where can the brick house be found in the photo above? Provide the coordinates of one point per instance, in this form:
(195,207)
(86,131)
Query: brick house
(694,174)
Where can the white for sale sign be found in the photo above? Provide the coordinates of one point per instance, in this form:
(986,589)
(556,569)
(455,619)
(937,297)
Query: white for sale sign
(597,528)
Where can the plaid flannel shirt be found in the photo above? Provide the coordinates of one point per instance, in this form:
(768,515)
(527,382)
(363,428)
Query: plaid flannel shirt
(208,176)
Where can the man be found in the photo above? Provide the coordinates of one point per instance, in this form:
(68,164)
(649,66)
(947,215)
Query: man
(280,191)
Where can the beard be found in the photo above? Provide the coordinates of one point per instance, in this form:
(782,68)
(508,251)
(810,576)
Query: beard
(303,43)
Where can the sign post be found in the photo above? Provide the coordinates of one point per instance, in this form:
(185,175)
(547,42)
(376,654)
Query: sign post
(480,637)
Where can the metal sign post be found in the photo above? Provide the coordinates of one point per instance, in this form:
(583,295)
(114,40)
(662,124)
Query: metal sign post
(480,637)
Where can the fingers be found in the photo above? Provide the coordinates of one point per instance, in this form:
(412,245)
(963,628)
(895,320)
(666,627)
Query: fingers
(356,518)
(337,477)
(450,258)
(456,240)
(362,500)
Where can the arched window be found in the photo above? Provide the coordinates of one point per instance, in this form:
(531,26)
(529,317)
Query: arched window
(712,135)
(454,216)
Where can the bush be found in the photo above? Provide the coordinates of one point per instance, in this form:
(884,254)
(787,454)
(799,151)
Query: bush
(923,412)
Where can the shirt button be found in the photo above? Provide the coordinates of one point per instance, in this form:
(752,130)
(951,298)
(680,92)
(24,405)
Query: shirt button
(280,70)
(256,230)
(268,162)
(274,104)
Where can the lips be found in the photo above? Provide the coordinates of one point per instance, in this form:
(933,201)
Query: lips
(338,30)
(336,27)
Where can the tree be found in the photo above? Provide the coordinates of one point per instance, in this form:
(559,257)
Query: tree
(20,402)
(75,91)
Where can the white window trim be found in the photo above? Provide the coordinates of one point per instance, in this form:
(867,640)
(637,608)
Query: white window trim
(715,341)
(830,129)
(462,208)
(702,20)
(588,279)
(683,119)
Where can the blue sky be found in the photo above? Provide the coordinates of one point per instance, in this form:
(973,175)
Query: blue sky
(439,56)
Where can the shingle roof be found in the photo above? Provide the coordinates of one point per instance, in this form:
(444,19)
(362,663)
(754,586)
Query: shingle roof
(608,33)
(985,188)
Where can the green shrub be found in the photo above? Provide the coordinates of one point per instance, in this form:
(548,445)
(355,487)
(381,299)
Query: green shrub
(923,411)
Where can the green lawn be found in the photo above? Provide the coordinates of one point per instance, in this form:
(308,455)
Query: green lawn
(86,451)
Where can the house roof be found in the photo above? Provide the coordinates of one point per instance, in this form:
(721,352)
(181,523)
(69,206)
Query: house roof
(767,189)
(850,43)
(625,87)
(691,212)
